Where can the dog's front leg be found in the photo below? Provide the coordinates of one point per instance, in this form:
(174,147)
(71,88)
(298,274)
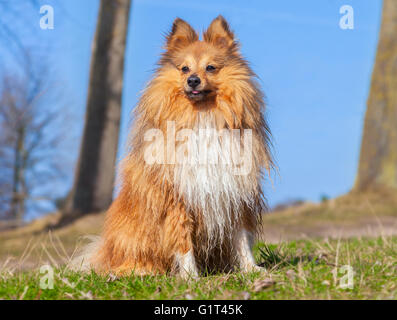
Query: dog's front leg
(187,265)
(179,235)
(243,244)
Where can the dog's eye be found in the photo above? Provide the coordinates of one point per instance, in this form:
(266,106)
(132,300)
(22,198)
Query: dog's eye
(210,68)
(185,69)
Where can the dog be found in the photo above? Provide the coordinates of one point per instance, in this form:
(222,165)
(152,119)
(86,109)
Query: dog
(191,217)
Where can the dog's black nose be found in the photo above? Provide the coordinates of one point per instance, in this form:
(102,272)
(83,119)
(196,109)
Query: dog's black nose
(193,81)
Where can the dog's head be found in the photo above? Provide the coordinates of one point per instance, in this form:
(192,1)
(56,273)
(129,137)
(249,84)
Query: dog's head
(201,68)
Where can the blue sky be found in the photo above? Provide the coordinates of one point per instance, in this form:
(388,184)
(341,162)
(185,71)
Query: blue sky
(315,75)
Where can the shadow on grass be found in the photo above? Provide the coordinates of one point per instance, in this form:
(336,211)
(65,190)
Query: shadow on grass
(272,257)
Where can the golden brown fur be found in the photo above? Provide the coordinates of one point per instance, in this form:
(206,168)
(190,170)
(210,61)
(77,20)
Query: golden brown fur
(150,224)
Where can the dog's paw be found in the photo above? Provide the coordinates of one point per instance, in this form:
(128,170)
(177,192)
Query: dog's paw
(253,268)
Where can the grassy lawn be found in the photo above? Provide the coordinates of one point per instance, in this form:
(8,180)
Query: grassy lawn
(303,269)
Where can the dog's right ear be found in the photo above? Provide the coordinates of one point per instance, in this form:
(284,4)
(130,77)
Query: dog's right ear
(181,35)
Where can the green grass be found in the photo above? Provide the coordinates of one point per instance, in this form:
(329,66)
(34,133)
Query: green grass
(303,269)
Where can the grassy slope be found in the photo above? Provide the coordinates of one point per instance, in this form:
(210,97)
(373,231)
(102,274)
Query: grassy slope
(365,214)
(301,269)
(33,245)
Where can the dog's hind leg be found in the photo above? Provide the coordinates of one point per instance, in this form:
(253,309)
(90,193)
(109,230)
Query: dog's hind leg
(243,244)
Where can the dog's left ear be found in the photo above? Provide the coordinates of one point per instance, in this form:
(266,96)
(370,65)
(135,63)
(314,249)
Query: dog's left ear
(219,34)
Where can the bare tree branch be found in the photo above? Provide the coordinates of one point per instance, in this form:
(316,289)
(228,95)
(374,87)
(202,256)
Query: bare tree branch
(31,140)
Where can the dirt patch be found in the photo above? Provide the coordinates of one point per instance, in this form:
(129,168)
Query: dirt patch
(368,214)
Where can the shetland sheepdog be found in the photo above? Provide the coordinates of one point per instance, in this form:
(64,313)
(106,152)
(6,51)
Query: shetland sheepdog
(190,198)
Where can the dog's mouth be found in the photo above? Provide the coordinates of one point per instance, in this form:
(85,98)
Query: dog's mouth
(197,94)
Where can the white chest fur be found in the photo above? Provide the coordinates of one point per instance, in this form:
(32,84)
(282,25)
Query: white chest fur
(208,174)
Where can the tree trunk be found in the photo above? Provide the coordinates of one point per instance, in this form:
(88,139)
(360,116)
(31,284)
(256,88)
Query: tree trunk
(95,172)
(378,158)
(18,184)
